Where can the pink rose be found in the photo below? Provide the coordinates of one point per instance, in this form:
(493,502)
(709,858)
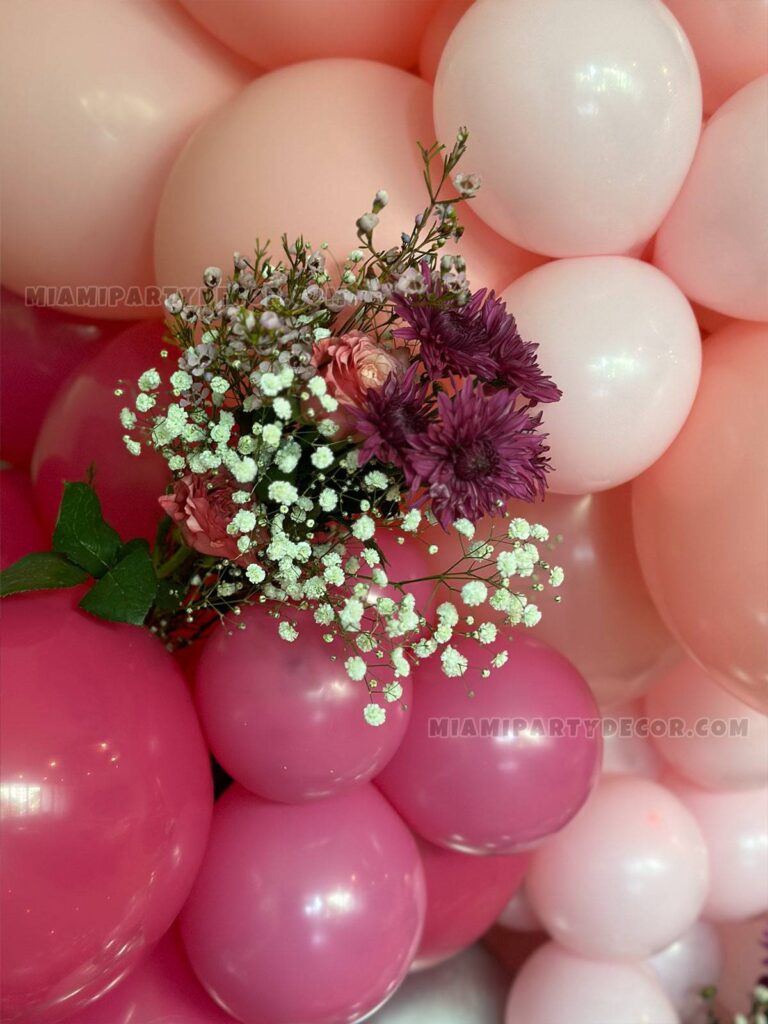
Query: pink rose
(202,508)
(354,363)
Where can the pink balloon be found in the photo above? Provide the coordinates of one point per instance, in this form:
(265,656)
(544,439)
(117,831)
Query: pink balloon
(272,33)
(729,40)
(714,241)
(95,129)
(583,149)
(687,966)
(735,828)
(518,915)
(622,343)
(700,516)
(555,985)
(20,530)
(625,750)
(460,786)
(627,877)
(744,951)
(733,751)
(465,895)
(439,29)
(106,801)
(82,429)
(310,912)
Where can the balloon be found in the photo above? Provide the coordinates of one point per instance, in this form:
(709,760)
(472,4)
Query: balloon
(496,771)
(211,208)
(714,241)
(728,38)
(555,985)
(735,828)
(744,949)
(700,515)
(688,965)
(309,912)
(625,750)
(162,990)
(83,430)
(715,740)
(94,128)
(623,345)
(626,877)
(272,33)
(518,915)
(512,948)
(439,29)
(464,897)
(20,529)
(583,150)
(106,802)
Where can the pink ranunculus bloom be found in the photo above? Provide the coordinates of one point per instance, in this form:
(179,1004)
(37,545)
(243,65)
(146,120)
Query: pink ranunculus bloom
(354,363)
(201,506)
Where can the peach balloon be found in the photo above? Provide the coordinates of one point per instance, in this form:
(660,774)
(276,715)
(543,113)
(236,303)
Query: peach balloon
(445,19)
(272,33)
(700,518)
(714,241)
(100,95)
(622,343)
(744,952)
(730,41)
(583,147)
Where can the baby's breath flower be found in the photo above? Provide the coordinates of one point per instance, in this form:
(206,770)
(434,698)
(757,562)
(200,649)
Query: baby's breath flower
(145,402)
(411,520)
(324,614)
(287,631)
(270,384)
(487,632)
(329,403)
(376,480)
(133,447)
(539,532)
(243,522)
(356,668)
(374,714)
(448,613)
(149,380)
(506,563)
(500,659)
(370,556)
(255,573)
(531,615)
(394,691)
(219,386)
(465,528)
(352,613)
(282,408)
(282,492)
(127,419)
(327,500)
(454,663)
(322,457)
(474,593)
(317,385)
(556,576)
(519,529)
(364,528)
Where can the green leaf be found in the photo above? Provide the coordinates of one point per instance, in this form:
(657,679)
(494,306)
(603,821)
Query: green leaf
(168,596)
(125,593)
(44,570)
(81,533)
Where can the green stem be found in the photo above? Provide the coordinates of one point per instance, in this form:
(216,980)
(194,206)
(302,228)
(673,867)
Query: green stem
(178,559)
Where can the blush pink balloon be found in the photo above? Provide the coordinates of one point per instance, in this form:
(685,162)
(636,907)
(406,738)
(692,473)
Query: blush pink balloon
(743,949)
(272,33)
(110,120)
(583,150)
(309,912)
(485,772)
(627,750)
(714,241)
(20,529)
(622,343)
(465,895)
(687,966)
(555,985)
(714,739)
(700,515)
(628,876)
(106,802)
(82,429)
(735,828)
(445,19)
(518,915)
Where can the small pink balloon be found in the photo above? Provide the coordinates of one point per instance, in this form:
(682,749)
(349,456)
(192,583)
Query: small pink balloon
(518,916)
(445,19)
(486,773)
(622,343)
(21,532)
(309,912)
(714,241)
(628,876)
(106,802)
(744,949)
(555,985)
(465,895)
(583,150)
(83,430)
(688,965)
(627,749)
(735,828)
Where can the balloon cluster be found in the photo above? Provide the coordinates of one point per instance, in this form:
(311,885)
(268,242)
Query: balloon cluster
(146,141)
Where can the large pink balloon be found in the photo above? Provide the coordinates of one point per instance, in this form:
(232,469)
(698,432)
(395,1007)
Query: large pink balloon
(438,32)
(305,913)
(622,343)
(20,529)
(627,749)
(555,985)
(83,430)
(628,876)
(486,773)
(93,127)
(211,208)
(714,241)
(106,802)
(688,965)
(583,149)
(713,738)
(744,946)
(700,516)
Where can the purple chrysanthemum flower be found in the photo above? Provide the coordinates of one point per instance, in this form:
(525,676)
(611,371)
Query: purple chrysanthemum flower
(516,362)
(482,451)
(392,414)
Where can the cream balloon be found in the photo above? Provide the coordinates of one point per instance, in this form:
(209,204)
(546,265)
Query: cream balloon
(100,96)
(688,965)
(583,118)
(622,343)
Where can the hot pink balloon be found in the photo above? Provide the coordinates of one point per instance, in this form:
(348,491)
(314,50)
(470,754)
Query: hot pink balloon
(628,876)
(622,343)
(700,516)
(583,149)
(465,895)
(83,430)
(744,952)
(20,529)
(106,802)
(445,19)
(688,965)
(309,912)
(488,773)
(627,748)
(714,241)
(555,985)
